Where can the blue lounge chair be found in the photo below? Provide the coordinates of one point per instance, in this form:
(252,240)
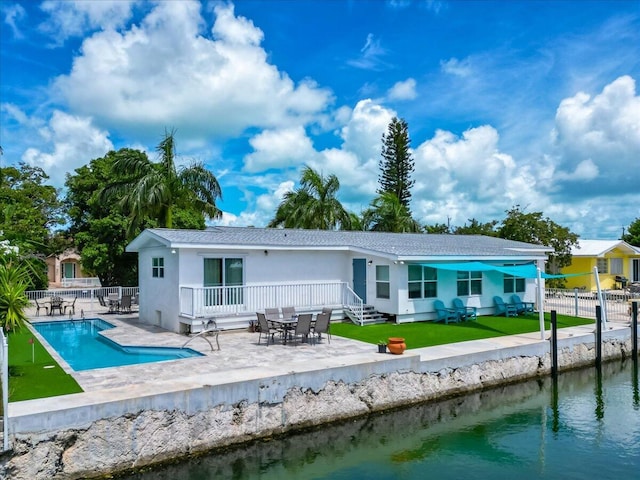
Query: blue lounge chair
(464,312)
(521,307)
(444,314)
(506,309)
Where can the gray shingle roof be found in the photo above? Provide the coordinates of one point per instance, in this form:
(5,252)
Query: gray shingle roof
(395,244)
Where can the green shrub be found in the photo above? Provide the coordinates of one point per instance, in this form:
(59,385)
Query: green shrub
(13,300)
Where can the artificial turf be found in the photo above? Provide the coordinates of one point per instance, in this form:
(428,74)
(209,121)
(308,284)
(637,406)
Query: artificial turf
(427,334)
(33,373)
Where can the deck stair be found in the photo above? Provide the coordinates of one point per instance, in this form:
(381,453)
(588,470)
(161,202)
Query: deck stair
(370,316)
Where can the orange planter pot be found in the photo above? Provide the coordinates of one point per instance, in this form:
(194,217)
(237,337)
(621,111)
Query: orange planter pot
(396,345)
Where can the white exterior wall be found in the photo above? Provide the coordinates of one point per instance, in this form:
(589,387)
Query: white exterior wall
(397,278)
(274,267)
(159,297)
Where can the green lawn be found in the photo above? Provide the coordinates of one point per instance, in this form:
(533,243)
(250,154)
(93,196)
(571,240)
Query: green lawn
(29,379)
(427,334)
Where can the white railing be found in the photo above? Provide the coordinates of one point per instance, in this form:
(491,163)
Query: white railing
(354,303)
(198,302)
(4,373)
(81,282)
(582,303)
(82,292)
(87,298)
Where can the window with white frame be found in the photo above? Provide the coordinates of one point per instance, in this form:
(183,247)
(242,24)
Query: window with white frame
(157,267)
(223,272)
(469,283)
(513,284)
(603,265)
(615,265)
(423,282)
(383,287)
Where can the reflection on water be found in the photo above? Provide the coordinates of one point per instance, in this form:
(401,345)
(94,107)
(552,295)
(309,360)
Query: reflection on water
(544,429)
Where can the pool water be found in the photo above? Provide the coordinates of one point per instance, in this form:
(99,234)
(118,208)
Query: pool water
(80,344)
(583,426)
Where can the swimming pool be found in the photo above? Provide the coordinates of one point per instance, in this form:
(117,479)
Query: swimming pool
(79,343)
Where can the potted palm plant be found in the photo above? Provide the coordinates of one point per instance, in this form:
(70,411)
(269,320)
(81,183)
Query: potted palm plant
(382,346)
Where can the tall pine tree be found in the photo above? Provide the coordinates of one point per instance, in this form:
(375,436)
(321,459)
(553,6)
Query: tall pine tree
(396,165)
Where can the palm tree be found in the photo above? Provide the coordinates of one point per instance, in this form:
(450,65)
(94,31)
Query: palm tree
(388,214)
(314,205)
(155,189)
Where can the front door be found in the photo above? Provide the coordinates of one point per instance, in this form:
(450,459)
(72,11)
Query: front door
(635,270)
(360,278)
(68,270)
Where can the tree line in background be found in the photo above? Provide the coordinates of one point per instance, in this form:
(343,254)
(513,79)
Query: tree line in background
(112,199)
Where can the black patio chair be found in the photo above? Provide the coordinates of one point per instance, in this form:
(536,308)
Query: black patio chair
(266,328)
(70,305)
(303,328)
(322,325)
(38,307)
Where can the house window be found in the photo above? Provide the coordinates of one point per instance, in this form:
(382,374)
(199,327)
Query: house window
(157,267)
(469,283)
(603,265)
(513,284)
(423,282)
(616,266)
(223,272)
(382,281)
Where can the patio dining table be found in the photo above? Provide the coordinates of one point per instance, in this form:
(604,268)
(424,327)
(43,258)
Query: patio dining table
(287,324)
(55,303)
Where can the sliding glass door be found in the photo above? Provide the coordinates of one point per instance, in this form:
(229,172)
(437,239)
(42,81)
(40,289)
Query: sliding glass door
(223,272)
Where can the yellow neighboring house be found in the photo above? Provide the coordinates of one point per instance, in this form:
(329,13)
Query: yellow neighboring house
(618,264)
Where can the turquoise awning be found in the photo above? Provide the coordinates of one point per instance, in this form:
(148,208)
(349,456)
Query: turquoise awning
(528,270)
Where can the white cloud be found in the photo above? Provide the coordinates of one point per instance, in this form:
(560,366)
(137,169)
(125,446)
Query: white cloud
(453,66)
(73,141)
(468,177)
(18,115)
(363,132)
(600,136)
(584,171)
(279,149)
(405,90)
(165,73)
(12,15)
(243,220)
(75,18)
(371,55)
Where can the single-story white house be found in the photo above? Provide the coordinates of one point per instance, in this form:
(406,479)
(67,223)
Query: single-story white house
(232,272)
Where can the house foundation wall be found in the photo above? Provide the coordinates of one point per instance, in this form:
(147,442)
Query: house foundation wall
(76,438)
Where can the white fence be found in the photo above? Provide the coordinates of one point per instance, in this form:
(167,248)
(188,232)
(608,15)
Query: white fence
(4,373)
(81,282)
(582,303)
(203,301)
(86,298)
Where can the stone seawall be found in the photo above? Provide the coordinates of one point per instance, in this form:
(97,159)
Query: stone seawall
(73,439)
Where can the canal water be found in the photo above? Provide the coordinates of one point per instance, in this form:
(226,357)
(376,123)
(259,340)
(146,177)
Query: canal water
(585,425)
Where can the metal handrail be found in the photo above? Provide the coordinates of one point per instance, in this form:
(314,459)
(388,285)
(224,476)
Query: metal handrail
(207,329)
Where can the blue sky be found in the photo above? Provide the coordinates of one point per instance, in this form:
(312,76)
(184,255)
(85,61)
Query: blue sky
(530,103)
